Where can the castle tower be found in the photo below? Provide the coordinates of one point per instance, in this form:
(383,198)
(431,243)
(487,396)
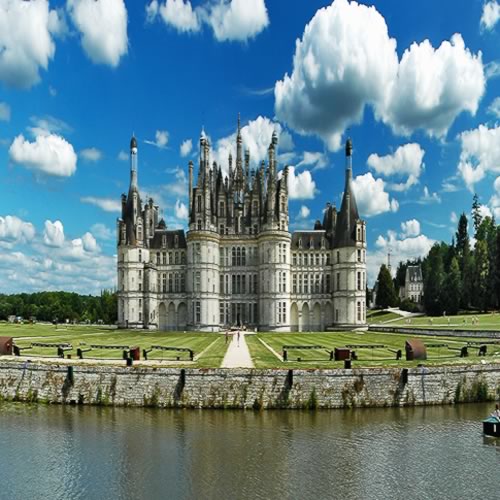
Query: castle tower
(349,257)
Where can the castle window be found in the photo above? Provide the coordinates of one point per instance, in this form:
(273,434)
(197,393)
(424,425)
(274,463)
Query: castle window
(183,258)
(317,259)
(164,283)
(176,241)
(158,258)
(327,259)
(294,259)
(294,283)
(359,281)
(164,258)
(221,209)
(284,282)
(233,255)
(243,257)
(221,229)
(164,241)
(300,283)
(170,259)
(197,312)
(177,257)
(255,209)
(327,283)
(238,256)
(255,231)
(337,287)
(300,242)
(338,257)
(177,282)
(198,203)
(243,283)
(170,283)
(359,234)
(255,285)
(359,255)
(198,281)
(183,283)
(359,311)
(199,225)
(140,255)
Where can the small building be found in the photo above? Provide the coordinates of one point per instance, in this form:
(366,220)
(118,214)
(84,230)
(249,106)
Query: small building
(414,285)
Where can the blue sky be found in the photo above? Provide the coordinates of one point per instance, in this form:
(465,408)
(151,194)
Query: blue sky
(415,84)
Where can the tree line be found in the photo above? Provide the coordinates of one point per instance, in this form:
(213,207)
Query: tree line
(457,276)
(51,306)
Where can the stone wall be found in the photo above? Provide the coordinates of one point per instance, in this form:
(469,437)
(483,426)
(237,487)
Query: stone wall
(246,388)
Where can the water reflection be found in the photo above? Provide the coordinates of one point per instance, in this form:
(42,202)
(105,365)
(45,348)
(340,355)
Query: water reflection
(76,452)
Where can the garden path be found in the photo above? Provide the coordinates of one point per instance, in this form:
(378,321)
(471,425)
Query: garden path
(237,355)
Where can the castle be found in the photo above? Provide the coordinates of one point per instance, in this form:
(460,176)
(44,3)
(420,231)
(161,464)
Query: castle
(238,264)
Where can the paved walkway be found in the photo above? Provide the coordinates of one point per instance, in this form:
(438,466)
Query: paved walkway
(237,356)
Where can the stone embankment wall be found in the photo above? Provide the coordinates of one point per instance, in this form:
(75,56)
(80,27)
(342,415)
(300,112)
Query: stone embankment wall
(246,388)
(435,331)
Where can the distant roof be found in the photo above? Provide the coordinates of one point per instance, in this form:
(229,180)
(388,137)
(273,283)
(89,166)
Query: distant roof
(414,273)
(309,239)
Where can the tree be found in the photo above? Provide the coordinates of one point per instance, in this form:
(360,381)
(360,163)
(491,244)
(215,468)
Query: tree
(386,295)
(463,243)
(476,213)
(433,282)
(399,280)
(451,288)
(481,268)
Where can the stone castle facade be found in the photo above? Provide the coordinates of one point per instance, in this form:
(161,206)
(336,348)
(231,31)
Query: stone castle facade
(238,263)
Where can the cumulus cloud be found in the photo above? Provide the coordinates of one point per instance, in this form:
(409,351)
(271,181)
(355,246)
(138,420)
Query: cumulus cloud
(238,20)
(122,156)
(433,87)
(91,154)
(181,211)
(49,154)
(26,40)
(410,228)
(161,139)
(14,229)
(103,29)
(453,217)
(102,232)
(256,137)
(317,160)
(428,197)
(4,112)
(301,186)
(304,212)
(494,202)
(106,204)
(494,107)
(53,234)
(491,15)
(405,162)
(186,147)
(346,60)
(401,248)
(47,124)
(89,243)
(371,197)
(479,155)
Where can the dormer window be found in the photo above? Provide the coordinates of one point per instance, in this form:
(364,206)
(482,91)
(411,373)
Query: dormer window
(176,241)
(164,241)
(300,242)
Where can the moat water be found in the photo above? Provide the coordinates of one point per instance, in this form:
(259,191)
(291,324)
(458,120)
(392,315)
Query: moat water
(58,452)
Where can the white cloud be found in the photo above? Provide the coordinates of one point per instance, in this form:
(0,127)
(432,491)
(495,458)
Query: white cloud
(47,124)
(91,154)
(401,249)
(106,204)
(53,234)
(428,197)
(301,186)
(52,91)
(433,87)
(480,154)
(495,199)
(103,27)
(256,137)
(346,60)
(304,212)
(161,139)
(13,229)
(4,112)
(26,40)
(371,197)
(410,228)
(453,218)
(179,15)
(122,156)
(89,243)
(50,154)
(181,211)
(406,162)
(186,147)
(491,15)
(492,69)
(485,211)
(317,160)
(494,107)
(238,19)
(102,232)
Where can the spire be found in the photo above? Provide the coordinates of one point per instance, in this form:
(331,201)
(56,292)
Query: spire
(133,163)
(348,215)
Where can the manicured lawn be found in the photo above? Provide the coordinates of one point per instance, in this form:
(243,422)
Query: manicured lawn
(490,321)
(85,336)
(319,358)
(380,317)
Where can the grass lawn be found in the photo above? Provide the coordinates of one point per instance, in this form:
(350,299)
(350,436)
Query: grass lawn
(374,317)
(490,321)
(84,336)
(319,358)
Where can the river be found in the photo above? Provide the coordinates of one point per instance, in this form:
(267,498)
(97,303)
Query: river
(69,452)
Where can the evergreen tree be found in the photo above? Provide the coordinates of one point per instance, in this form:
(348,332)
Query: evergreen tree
(399,280)
(433,282)
(386,295)
(463,243)
(476,213)
(481,268)
(451,288)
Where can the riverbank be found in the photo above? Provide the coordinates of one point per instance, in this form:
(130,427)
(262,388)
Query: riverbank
(245,388)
